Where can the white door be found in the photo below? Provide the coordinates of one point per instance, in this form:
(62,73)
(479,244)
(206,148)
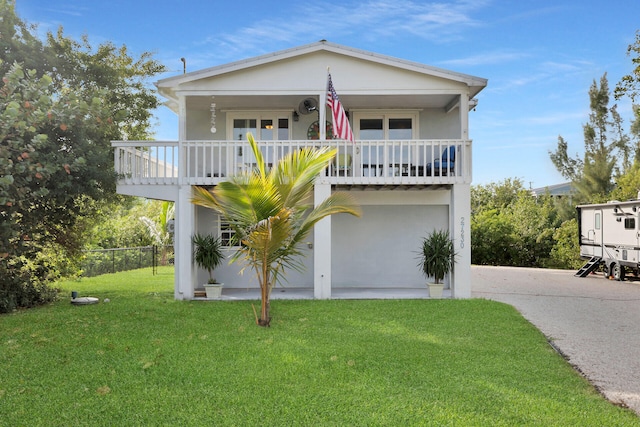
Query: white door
(597,233)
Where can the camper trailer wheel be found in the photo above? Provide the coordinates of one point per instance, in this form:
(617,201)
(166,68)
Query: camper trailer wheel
(606,270)
(618,272)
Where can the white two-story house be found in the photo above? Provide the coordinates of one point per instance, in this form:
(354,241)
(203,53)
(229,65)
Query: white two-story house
(410,166)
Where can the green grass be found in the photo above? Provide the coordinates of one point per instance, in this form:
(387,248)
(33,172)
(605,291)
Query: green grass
(145,359)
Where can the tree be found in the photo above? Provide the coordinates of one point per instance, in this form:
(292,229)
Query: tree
(592,175)
(492,238)
(566,250)
(17,43)
(61,103)
(129,98)
(628,185)
(535,221)
(510,226)
(129,222)
(270,213)
(629,85)
(495,195)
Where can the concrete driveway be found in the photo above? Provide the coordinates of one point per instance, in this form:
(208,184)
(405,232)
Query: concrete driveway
(594,322)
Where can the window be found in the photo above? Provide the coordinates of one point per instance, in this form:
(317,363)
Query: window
(597,221)
(272,127)
(227,234)
(629,223)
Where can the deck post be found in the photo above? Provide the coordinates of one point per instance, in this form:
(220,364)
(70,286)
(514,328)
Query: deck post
(460,211)
(184,269)
(322,247)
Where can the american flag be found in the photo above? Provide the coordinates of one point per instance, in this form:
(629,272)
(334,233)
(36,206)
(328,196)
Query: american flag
(341,127)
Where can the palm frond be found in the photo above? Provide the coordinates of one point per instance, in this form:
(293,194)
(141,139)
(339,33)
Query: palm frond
(339,202)
(297,172)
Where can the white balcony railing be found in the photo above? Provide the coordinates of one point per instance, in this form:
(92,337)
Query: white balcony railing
(383,162)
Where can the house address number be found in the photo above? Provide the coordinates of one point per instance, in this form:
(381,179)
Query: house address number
(461,232)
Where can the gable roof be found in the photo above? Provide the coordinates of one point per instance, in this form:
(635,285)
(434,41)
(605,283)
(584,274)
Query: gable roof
(168,86)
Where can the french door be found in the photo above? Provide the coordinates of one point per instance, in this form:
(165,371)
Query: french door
(377,157)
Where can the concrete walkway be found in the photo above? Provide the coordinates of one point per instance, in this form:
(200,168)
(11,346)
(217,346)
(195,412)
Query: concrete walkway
(594,322)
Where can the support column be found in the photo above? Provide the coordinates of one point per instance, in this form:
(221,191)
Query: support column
(322,247)
(460,217)
(185,276)
(464,115)
(184,270)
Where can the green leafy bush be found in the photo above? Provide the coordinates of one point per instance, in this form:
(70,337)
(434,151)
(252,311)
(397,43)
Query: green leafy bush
(24,283)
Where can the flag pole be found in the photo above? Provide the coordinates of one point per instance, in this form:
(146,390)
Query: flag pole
(322,112)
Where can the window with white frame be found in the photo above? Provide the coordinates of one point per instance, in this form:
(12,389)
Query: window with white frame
(227,234)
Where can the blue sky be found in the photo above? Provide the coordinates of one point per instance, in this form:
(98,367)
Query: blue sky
(540,56)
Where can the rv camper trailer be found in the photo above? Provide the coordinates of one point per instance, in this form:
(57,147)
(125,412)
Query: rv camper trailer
(609,238)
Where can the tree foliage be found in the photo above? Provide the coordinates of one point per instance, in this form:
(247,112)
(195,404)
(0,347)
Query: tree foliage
(604,142)
(61,103)
(495,195)
(629,85)
(510,226)
(564,253)
(130,222)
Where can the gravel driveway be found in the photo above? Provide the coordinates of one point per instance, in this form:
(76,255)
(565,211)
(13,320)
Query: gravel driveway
(594,322)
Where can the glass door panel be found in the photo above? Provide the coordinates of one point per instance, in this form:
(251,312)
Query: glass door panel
(266,130)
(283,129)
(373,153)
(401,129)
(243,126)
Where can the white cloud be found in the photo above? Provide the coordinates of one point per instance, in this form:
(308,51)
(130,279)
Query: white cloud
(487,58)
(438,22)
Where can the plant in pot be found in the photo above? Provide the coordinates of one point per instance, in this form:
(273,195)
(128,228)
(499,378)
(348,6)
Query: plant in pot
(207,254)
(436,258)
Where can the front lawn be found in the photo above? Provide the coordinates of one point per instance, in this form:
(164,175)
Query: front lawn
(145,359)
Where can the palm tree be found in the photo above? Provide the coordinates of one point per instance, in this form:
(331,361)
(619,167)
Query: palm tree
(270,213)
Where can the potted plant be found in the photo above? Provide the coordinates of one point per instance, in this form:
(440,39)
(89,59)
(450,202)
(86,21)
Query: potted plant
(436,258)
(207,254)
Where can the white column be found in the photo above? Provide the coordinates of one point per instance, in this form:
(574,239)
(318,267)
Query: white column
(464,115)
(185,276)
(184,271)
(322,247)
(461,228)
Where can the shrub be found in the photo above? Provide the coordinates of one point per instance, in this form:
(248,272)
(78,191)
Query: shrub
(24,284)
(565,253)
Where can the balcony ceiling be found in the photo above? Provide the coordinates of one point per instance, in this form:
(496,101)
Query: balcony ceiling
(350,102)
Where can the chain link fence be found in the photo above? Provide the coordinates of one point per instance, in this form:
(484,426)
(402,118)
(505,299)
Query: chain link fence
(102,261)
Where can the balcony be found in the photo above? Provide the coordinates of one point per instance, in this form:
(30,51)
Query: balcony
(380,163)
